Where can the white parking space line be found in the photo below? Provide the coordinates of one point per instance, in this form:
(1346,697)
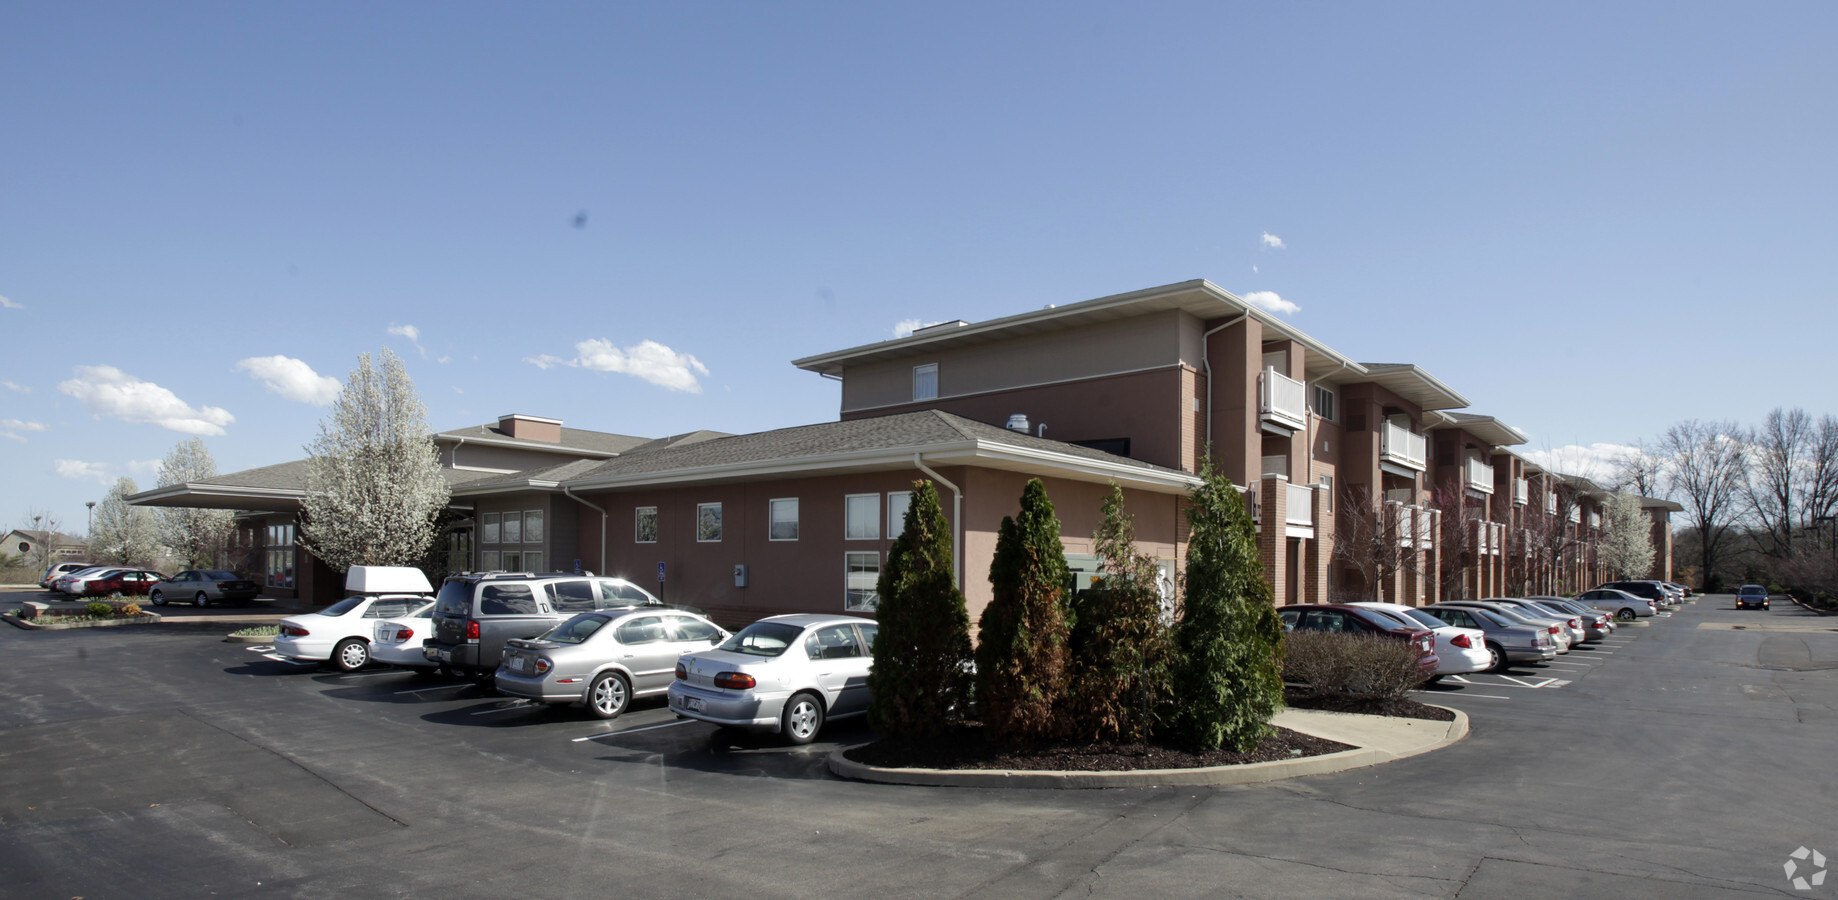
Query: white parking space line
(520,704)
(436,688)
(1465,694)
(259,648)
(291,662)
(1544,683)
(633,730)
(1510,682)
(374,674)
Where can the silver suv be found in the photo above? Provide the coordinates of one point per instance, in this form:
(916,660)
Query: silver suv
(475,614)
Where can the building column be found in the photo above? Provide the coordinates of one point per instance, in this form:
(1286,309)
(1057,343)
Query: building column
(1321,549)
(1273,538)
(1432,565)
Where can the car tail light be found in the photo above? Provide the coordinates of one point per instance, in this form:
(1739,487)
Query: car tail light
(293,631)
(1552,629)
(682,674)
(472,629)
(543,666)
(736,681)
(1461,640)
(405,634)
(1576,624)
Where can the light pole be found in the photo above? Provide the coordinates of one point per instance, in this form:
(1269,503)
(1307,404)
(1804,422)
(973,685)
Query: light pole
(90,532)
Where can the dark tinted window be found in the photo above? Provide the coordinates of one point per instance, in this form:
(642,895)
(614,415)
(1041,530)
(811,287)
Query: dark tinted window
(455,598)
(1454,617)
(507,600)
(221,575)
(868,633)
(622,593)
(575,630)
(572,596)
(763,639)
(642,630)
(833,642)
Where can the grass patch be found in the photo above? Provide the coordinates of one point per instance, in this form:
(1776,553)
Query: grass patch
(257,631)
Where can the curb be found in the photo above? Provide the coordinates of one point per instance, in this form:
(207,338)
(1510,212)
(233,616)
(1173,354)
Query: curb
(142,619)
(249,638)
(1812,609)
(1249,773)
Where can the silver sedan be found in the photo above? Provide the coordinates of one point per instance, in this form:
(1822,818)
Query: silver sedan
(784,674)
(603,660)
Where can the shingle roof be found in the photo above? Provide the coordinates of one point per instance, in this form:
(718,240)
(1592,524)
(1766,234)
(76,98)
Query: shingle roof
(904,431)
(572,439)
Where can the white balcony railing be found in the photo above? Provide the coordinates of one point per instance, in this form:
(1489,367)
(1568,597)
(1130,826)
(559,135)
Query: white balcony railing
(1399,445)
(1405,496)
(1254,502)
(1425,534)
(1299,505)
(1282,400)
(1522,492)
(1595,521)
(1550,504)
(1477,475)
(1576,515)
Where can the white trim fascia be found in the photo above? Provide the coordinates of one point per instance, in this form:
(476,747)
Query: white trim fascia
(214,490)
(1022,387)
(895,458)
(543,486)
(1299,531)
(484,469)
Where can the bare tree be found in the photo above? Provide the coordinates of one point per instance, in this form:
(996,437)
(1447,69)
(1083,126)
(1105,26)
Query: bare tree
(1778,453)
(1372,539)
(124,535)
(374,488)
(1640,470)
(1821,488)
(1707,464)
(47,525)
(1627,546)
(195,535)
(1550,537)
(1461,517)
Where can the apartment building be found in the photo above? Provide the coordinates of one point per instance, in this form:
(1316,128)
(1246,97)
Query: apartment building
(1364,479)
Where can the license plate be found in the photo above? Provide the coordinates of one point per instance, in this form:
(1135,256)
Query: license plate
(516,663)
(441,655)
(694,704)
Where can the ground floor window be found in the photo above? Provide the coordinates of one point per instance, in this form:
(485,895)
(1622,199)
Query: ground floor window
(862,575)
(708,523)
(644,525)
(279,571)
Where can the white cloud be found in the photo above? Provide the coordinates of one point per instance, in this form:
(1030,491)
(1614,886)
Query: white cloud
(80,470)
(1270,301)
(292,378)
(15,387)
(444,360)
(407,331)
(1596,462)
(1273,242)
(906,327)
(10,428)
(108,391)
(144,466)
(11,304)
(648,360)
(1254,270)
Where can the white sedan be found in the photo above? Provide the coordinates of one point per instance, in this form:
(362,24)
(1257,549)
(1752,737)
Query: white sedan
(1458,650)
(341,634)
(398,641)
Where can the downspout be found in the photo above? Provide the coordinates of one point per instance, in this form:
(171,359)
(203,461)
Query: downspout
(571,495)
(1206,361)
(453,455)
(957,520)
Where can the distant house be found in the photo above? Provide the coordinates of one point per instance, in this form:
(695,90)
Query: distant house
(29,545)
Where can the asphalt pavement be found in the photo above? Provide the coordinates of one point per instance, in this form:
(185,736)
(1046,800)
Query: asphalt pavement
(1686,758)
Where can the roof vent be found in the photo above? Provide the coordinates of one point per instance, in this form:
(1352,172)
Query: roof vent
(1018,422)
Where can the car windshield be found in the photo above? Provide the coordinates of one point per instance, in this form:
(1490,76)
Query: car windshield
(221,575)
(575,630)
(343,606)
(763,639)
(1425,619)
(1749,590)
(1488,615)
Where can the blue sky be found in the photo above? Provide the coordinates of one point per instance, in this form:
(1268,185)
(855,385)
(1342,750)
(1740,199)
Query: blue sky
(633,216)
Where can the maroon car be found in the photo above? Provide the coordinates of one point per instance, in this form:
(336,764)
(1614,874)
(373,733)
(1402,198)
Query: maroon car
(1334,617)
(127,582)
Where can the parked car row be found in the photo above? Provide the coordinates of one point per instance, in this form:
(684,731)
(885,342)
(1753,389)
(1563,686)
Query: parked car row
(199,587)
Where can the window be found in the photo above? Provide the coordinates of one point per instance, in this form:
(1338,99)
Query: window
(533,560)
(708,523)
(862,575)
(513,560)
(488,561)
(862,517)
(684,628)
(897,504)
(490,529)
(532,526)
(833,642)
(925,382)
(1327,482)
(508,600)
(644,525)
(784,517)
(279,568)
(513,528)
(642,630)
(572,596)
(1327,404)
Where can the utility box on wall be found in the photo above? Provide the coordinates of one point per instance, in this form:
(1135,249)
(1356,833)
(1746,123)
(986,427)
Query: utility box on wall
(740,575)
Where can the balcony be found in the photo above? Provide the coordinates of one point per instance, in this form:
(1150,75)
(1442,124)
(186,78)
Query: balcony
(1299,505)
(1398,445)
(1576,515)
(1522,492)
(1550,503)
(1595,521)
(1253,502)
(1281,402)
(1477,475)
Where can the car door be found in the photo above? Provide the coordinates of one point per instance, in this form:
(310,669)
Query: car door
(649,652)
(841,663)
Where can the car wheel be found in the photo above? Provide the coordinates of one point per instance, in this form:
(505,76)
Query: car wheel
(350,655)
(608,695)
(200,601)
(1496,658)
(159,599)
(1626,615)
(802,719)
(1433,679)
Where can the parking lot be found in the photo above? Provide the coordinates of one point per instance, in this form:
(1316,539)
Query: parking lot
(1685,757)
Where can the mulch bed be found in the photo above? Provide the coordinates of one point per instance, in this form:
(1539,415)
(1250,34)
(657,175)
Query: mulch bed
(966,748)
(1402,707)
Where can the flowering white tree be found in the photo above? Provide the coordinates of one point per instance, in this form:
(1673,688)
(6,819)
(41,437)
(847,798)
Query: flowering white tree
(124,535)
(374,489)
(196,535)
(1626,547)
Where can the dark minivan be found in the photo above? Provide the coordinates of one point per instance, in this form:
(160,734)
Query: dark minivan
(475,614)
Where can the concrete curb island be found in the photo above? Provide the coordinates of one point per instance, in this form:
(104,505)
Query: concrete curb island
(1376,740)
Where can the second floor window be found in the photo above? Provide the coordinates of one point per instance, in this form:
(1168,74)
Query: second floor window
(897,504)
(784,525)
(708,522)
(862,517)
(925,382)
(1327,404)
